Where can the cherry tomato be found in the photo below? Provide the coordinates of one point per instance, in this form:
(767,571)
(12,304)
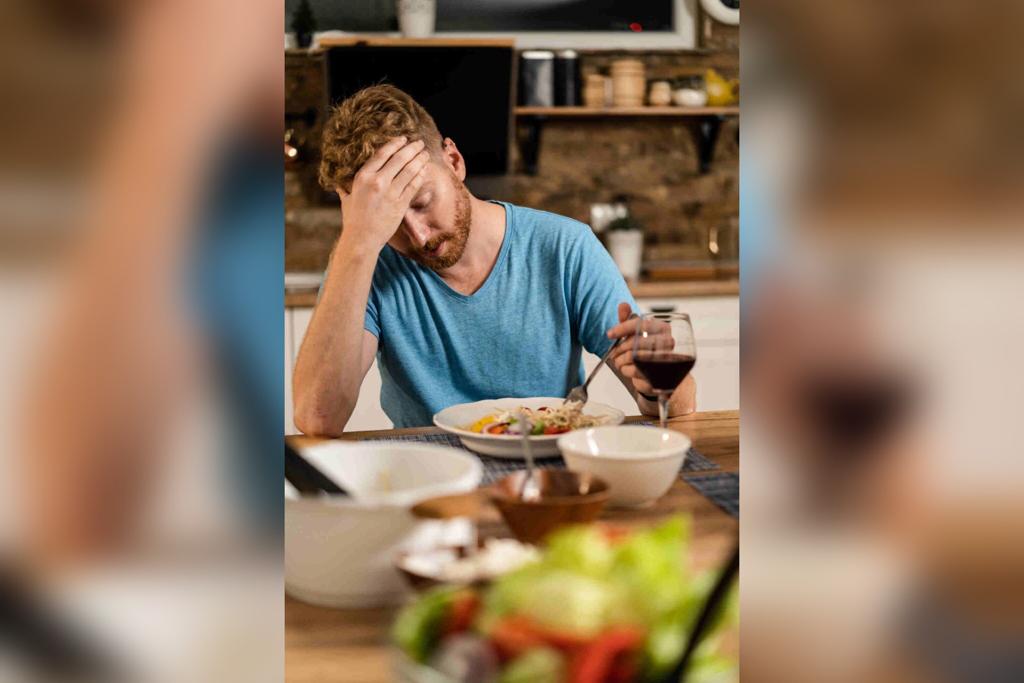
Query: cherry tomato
(514,635)
(600,660)
(462,613)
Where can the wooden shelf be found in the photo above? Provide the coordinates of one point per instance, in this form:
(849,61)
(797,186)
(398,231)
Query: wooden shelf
(598,112)
(708,124)
(340,41)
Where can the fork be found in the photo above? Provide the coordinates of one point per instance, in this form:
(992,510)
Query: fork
(579,393)
(529,489)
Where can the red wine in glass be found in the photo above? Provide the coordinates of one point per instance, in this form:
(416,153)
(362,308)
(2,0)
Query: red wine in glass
(664,352)
(664,371)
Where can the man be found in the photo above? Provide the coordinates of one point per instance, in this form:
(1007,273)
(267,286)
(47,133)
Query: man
(459,298)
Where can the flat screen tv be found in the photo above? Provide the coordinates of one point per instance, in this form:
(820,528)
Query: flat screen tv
(501,15)
(468,91)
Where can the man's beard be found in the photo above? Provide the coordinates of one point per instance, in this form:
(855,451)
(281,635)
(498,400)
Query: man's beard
(456,239)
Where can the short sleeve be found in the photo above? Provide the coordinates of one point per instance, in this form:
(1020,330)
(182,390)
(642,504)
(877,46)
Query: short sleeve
(371,322)
(597,288)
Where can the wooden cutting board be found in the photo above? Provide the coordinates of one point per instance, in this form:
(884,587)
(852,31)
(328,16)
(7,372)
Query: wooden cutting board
(708,271)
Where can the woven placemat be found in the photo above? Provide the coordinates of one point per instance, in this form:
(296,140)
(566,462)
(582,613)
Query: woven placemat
(721,488)
(496,468)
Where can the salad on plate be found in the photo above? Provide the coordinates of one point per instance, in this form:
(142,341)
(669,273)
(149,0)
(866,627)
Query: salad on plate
(545,420)
(598,606)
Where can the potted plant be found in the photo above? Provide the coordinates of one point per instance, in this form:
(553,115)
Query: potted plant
(626,245)
(303,23)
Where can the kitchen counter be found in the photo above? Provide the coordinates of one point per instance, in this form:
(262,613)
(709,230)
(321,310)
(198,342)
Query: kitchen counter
(673,289)
(303,295)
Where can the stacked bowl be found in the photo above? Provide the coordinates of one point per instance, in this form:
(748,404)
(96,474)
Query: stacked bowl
(629,84)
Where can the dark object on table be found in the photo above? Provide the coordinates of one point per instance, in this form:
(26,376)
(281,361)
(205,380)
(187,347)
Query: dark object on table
(567,79)
(43,643)
(306,478)
(707,617)
(303,23)
(537,78)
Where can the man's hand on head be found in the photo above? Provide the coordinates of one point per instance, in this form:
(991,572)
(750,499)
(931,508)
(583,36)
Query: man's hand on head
(381,192)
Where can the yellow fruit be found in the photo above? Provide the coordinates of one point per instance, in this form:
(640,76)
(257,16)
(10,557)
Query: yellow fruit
(479,425)
(720,91)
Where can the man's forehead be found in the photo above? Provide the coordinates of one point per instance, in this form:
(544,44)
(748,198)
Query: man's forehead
(429,185)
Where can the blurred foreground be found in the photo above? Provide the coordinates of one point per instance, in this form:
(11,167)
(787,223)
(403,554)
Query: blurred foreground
(882,171)
(140,269)
(141,260)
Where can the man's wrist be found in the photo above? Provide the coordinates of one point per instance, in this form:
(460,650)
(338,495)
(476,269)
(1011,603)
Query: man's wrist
(352,246)
(647,404)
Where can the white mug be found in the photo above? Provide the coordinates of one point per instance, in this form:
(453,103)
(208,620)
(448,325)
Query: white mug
(416,17)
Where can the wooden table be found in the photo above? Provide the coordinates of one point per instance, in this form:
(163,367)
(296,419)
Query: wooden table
(351,644)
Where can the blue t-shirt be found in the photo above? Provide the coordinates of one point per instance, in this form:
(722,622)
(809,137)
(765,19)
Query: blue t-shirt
(553,290)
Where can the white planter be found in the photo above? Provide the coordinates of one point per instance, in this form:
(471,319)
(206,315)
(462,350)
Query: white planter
(416,17)
(627,250)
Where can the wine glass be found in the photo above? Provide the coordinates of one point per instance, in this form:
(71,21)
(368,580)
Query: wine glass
(664,352)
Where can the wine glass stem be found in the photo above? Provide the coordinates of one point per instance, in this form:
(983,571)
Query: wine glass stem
(663,408)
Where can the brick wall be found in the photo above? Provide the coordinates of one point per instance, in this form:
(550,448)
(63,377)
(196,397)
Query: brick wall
(652,160)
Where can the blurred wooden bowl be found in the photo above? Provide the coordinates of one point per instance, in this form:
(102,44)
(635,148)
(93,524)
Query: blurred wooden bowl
(566,498)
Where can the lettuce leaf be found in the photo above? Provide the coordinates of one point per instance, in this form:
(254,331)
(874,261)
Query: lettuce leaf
(580,549)
(649,564)
(417,628)
(543,665)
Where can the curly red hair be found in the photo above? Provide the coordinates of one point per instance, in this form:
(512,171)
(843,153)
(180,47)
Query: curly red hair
(362,123)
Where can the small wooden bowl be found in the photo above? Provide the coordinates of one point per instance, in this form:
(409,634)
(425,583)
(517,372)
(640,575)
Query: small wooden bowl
(565,498)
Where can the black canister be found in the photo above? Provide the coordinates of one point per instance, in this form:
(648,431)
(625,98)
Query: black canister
(537,78)
(567,79)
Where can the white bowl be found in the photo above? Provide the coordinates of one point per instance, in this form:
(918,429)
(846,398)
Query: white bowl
(455,420)
(639,463)
(338,550)
(689,97)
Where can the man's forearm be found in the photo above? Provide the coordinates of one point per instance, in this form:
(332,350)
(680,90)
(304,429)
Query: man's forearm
(327,373)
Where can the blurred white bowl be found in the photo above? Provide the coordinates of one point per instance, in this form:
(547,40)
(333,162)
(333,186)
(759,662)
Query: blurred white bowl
(339,551)
(456,420)
(639,463)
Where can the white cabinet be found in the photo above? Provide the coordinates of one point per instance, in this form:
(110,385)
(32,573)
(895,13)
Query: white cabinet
(716,326)
(367,413)
(296,320)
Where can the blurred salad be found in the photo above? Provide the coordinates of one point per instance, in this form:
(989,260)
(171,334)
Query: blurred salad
(598,606)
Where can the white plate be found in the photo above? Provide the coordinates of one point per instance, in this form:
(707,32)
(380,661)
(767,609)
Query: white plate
(455,419)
